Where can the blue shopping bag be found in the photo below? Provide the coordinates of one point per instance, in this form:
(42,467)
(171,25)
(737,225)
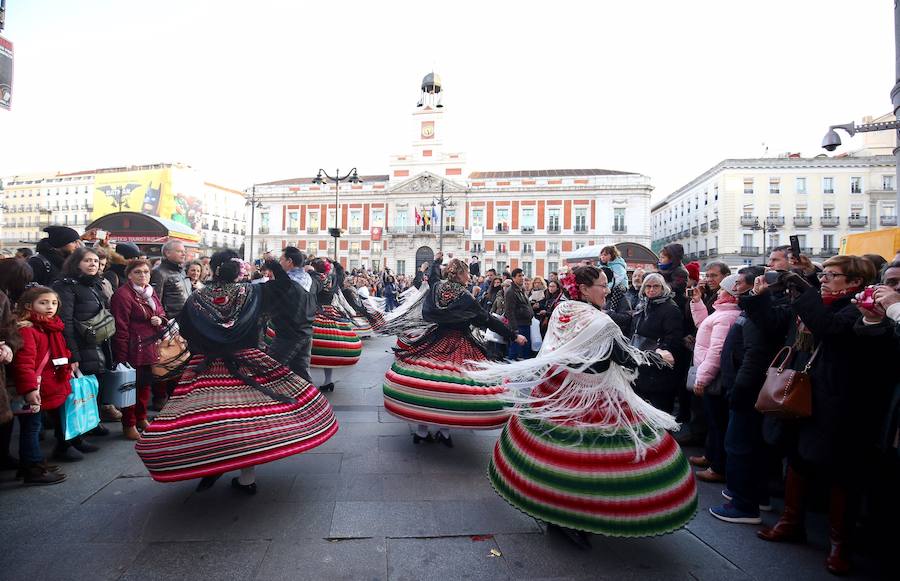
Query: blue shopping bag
(80,408)
(117,386)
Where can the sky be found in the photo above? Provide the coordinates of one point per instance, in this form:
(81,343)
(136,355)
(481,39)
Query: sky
(257,91)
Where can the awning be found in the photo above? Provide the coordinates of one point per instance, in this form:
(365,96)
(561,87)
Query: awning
(144,229)
(632,252)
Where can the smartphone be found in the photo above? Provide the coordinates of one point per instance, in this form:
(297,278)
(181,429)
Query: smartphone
(101,234)
(772,276)
(795,247)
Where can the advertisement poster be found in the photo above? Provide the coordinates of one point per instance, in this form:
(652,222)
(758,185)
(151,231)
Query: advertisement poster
(6,73)
(148,192)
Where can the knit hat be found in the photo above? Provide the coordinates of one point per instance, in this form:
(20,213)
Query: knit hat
(693,269)
(128,250)
(729,283)
(59,236)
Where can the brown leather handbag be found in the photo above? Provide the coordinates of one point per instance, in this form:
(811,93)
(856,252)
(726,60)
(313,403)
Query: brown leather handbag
(787,393)
(173,353)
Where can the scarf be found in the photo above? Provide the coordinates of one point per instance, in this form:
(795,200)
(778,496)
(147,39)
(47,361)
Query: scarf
(52,327)
(147,294)
(725,299)
(828,297)
(301,277)
(664,267)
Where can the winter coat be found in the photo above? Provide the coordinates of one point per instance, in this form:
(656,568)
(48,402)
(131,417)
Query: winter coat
(620,271)
(54,384)
(80,299)
(9,333)
(634,297)
(133,342)
(517,309)
(711,333)
(659,325)
(888,330)
(618,309)
(171,285)
(46,264)
(849,391)
(746,356)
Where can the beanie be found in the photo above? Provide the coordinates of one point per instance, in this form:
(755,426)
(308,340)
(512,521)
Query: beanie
(693,269)
(728,283)
(128,250)
(59,236)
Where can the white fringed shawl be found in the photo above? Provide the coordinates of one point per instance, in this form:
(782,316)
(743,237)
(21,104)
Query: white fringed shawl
(578,336)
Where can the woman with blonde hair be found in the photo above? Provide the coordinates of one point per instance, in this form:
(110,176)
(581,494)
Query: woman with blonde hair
(426,385)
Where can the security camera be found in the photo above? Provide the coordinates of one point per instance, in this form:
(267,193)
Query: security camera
(831,141)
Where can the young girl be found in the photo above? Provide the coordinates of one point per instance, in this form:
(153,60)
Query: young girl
(41,370)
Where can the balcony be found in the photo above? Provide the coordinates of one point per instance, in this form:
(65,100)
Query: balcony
(888,220)
(713,252)
(354,251)
(581,229)
(501,228)
(830,221)
(527,230)
(684,233)
(620,229)
(826,252)
(749,221)
(775,220)
(802,221)
(312,230)
(291,229)
(695,230)
(714,224)
(858,221)
(692,256)
(806,250)
(553,229)
(527,251)
(702,254)
(749,250)
(355,230)
(704,227)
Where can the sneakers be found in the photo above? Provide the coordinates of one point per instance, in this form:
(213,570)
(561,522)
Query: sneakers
(728,513)
(764,507)
(109,413)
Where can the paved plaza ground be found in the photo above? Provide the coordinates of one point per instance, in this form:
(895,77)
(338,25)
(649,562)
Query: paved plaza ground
(366,505)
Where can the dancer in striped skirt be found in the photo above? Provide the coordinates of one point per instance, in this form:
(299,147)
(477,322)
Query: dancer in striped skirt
(426,385)
(234,407)
(334,344)
(582,451)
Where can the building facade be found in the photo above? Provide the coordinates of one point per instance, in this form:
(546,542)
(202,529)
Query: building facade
(737,210)
(174,191)
(509,219)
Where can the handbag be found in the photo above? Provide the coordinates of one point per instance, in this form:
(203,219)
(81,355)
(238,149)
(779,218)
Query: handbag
(787,393)
(714,388)
(80,409)
(117,386)
(173,352)
(536,339)
(98,328)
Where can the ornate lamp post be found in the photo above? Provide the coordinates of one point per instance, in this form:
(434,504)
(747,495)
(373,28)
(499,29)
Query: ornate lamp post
(337,178)
(254,204)
(767,228)
(442,202)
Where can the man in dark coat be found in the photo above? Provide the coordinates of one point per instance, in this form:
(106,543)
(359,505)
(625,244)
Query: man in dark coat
(292,319)
(518,312)
(52,251)
(474,266)
(169,280)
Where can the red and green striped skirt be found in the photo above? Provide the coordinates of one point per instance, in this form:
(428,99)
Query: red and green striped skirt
(362,327)
(334,343)
(426,384)
(591,481)
(215,422)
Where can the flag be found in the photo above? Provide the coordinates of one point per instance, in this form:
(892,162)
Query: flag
(433,214)
(418,217)
(426,217)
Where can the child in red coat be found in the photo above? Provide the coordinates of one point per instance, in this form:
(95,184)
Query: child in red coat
(42,371)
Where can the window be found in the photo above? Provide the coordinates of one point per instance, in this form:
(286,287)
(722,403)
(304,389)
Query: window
(332,221)
(748,240)
(501,266)
(828,212)
(579,245)
(887,183)
(855,213)
(553,248)
(774,185)
(828,241)
(292,221)
(855,185)
(528,220)
(527,248)
(800,212)
(774,240)
(401,267)
(354,247)
(888,210)
(401,221)
(828,185)
(774,211)
(501,247)
(449,220)
(748,212)
(748,185)
(378,218)
(312,221)
(527,269)
(801,240)
(618,219)
(477,248)
(502,219)
(581,219)
(716,192)
(355,221)
(478,217)
(553,220)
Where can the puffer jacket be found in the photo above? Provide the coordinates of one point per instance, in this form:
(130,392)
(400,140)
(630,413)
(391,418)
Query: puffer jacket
(711,333)
(620,271)
(172,286)
(54,385)
(80,299)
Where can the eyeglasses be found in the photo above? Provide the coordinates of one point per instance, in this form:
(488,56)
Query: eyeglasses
(828,276)
(652,286)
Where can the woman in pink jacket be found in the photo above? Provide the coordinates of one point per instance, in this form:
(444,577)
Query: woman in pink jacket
(711,333)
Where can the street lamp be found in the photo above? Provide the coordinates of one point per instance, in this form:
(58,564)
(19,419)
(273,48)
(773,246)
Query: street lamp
(320,179)
(832,140)
(442,202)
(253,206)
(767,228)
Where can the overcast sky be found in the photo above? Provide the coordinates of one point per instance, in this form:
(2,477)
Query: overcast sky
(264,90)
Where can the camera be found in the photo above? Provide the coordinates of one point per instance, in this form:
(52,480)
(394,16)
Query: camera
(772,276)
(868,298)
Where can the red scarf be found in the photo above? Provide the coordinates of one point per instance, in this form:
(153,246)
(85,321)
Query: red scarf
(52,327)
(725,298)
(828,297)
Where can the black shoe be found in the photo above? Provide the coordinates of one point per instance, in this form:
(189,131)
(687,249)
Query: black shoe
(85,447)
(207,482)
(36,475)
(9,463)
(245,488)
(20,473)
(578,538)
(445,440)
(67,454)
(100,430)
(327,387)
(417,438)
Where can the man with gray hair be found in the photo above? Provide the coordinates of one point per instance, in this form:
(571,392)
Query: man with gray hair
(709,286)
(169,280)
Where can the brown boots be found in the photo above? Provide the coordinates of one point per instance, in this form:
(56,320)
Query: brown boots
(790,527)
(839,525)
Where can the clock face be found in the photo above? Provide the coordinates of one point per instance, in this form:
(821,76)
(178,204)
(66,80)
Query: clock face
(427,130)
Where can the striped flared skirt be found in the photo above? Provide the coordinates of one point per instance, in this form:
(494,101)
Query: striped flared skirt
(214,422)
(362,327)
(591,481)
(426,385)
(334,343)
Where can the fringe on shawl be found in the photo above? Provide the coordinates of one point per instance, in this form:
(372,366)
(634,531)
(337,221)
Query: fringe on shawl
(408,316)
(607,398)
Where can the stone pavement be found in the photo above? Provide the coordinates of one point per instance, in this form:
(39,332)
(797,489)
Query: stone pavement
(366,505)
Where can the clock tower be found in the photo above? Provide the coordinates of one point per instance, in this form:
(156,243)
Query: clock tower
(428,138)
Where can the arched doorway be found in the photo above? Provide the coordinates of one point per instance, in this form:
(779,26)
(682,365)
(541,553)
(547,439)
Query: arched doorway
(423,254)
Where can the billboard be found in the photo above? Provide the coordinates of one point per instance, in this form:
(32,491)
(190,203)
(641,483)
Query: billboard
(6,73)
(151,192)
